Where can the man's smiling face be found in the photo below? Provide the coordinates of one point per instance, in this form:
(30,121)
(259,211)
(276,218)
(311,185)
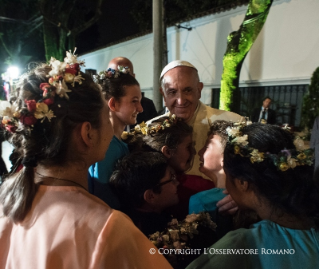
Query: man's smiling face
(181,90)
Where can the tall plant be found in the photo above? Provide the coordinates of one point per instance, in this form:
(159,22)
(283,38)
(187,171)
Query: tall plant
(239,44)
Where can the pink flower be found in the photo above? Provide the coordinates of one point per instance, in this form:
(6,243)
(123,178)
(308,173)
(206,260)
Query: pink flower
(48,101)
(11,128)
(75,66)
(28,120)
(44,86)
(31,104)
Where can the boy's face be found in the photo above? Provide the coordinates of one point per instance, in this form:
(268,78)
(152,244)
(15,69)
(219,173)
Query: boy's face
(168,195)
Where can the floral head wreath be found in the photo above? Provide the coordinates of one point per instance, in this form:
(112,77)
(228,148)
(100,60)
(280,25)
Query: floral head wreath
(111,73)
(284,160)
(62,73)
(149,130)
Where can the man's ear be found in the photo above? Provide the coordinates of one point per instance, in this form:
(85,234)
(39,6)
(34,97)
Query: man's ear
(166,152)
(149,196)
(87,133)
(200,87)
(112,104)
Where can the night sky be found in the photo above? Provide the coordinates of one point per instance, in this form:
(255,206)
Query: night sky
(114,24)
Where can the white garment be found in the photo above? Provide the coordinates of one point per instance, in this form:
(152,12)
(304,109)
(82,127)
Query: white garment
(204,116)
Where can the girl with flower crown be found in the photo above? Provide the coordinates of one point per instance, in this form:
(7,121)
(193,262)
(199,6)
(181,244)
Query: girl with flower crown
(123,96)
(59,126)
(173,138)
(271,175)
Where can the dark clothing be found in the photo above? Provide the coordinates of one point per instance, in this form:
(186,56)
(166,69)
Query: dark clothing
(149,110)
(149,222)
(162,111)
(271,118)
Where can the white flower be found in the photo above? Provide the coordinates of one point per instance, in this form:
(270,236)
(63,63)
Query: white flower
(242,140)
(137,128)
(6,109)
(299,144)
(291,162)
(191,218)
(62,89)
(232,131)
(78,79)
(70,58)
(165,237)
(42,111)
(174,234)
(57,67)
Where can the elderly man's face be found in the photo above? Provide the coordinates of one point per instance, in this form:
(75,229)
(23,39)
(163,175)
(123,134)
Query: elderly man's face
(182,91)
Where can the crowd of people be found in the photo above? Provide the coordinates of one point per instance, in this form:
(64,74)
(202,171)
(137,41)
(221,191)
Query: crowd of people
(93,181)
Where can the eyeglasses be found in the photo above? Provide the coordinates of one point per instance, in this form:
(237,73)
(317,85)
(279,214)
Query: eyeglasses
(172,179)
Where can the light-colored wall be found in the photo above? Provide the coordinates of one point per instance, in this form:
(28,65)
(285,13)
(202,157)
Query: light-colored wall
(285,52)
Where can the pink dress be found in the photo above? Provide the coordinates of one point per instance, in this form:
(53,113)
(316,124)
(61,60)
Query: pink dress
(69,228)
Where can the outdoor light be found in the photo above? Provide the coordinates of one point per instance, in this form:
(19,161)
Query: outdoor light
(13,72)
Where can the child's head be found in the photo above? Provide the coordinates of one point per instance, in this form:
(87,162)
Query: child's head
(56,118)
(265,162)
(211,155)
(123,94)
(175,142)
(144,180)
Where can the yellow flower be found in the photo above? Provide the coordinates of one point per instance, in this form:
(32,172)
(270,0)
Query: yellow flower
(256,156)
(68,77)
(302,156)
(124,135)
(42,111)
(237,150)
(16,114)
(283,167)
(144,130)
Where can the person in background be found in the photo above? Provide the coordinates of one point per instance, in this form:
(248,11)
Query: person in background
(181,89)
(267,174)
(149,110)
(264,114)
(146,186)
(123,95)
(59,125)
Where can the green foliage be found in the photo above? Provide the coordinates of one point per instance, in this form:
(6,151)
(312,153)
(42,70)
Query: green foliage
(239,44)
(310,106)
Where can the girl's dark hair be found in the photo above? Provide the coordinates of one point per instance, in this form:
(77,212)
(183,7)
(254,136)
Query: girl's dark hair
(136,173)
(294,191)
(170,137)
(219,127)
(115,87)
(48,143)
